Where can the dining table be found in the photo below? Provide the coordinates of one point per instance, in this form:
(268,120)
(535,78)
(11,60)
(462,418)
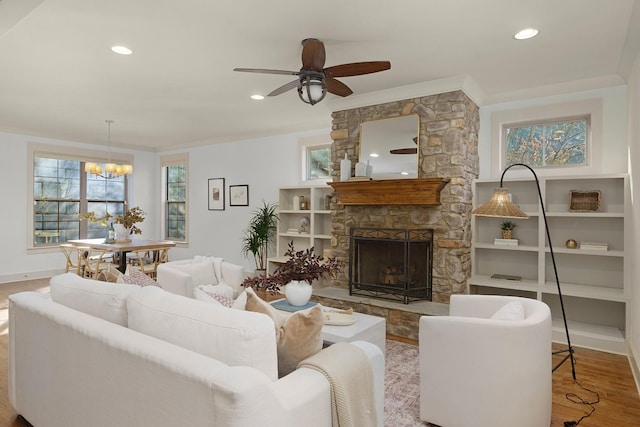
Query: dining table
(122,248)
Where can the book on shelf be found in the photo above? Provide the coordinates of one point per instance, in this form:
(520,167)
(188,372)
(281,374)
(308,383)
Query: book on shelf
(505,242)
(506,277)
(596,246)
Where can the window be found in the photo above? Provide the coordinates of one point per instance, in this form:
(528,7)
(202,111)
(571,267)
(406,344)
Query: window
(314,154)
(561,142)
(174,178)
(62,190)
(319,162)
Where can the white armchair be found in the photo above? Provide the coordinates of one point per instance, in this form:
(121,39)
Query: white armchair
(180,277)
(478,371)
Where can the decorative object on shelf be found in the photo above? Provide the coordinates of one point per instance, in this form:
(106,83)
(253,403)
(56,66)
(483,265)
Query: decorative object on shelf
(238,195)
(507,229)
(571,244)
(345,168)
(595,246)
(501,207)
(303,265)
(124,225)
(584,201)
(260,234)
(303,204)
(369,170)
(216,194)
(327,202)
(361,169)
(296,203)
(111,170)
(304,223)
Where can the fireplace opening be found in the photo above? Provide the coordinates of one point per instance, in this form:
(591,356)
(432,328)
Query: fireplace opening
(392,264)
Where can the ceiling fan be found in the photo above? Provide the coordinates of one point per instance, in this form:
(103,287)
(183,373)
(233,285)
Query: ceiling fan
(313,80)
(410,150)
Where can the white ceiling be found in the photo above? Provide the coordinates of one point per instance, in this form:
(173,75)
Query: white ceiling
(59,78)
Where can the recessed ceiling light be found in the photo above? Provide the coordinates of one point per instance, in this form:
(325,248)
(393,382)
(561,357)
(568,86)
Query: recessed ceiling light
(374,155)
(527,33)
(404,173)
(257,97)
(122,50)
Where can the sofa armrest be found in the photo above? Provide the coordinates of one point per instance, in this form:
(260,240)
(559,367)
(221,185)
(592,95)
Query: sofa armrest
(173,280)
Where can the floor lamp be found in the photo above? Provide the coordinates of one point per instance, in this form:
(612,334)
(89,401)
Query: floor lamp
(500,206)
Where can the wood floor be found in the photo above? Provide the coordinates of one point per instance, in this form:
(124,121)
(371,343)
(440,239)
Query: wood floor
(608,374)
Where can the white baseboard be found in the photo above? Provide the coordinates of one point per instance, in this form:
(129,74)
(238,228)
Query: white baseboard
(31,275)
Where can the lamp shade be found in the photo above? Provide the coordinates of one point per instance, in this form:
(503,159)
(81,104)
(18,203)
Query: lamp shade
(500,206)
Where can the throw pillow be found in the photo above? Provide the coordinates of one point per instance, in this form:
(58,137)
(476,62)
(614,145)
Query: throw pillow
(240,302)
(134,276)
(215,294)
(298,336)
(513,310)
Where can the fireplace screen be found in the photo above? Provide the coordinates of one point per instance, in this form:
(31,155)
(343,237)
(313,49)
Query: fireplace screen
(393,264)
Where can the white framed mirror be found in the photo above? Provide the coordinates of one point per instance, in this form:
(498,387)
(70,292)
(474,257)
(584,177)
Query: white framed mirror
(391,146)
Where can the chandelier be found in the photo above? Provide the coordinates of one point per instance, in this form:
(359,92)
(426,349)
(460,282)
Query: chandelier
(111,170)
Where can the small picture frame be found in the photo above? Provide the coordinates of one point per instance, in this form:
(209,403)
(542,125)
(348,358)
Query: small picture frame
(216,194)
(238,195)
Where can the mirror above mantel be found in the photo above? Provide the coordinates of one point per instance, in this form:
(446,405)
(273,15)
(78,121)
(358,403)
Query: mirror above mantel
(391,146)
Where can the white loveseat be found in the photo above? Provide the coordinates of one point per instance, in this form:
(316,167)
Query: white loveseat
(487,364)
(97,354)
(180,277)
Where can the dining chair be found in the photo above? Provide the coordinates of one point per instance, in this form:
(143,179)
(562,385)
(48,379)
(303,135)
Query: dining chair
(96,260)
(75,257)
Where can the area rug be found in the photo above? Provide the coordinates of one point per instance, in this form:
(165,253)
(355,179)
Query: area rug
(402,386)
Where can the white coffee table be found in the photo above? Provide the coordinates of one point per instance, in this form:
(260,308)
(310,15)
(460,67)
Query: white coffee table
(366,328)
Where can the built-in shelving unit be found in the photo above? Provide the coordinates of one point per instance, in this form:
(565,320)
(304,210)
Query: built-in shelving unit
(316,234)
(594,283)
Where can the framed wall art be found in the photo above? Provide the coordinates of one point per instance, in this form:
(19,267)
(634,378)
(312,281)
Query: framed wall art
(238,195)
(216,194)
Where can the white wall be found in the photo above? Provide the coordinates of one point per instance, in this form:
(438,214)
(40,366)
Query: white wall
(633,328)
(264,164)
(16,263)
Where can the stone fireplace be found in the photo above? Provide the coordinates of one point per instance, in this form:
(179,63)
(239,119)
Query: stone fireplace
(448,150)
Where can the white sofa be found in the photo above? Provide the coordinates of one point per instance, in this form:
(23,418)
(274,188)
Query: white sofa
(180,277)
(97,354)
(487,364)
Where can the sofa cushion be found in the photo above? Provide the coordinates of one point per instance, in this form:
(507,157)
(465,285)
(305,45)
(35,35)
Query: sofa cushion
(513,310)
(100,299)
(237,338)
(299,335)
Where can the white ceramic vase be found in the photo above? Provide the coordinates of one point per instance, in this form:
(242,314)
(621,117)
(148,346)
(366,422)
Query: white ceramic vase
(298,292)
(122,233)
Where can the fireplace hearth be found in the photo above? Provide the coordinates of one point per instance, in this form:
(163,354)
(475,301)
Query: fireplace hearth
(392,264)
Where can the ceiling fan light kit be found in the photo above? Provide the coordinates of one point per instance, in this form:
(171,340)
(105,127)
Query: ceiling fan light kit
(314,81)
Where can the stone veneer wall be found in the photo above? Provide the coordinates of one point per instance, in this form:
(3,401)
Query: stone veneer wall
(448,149)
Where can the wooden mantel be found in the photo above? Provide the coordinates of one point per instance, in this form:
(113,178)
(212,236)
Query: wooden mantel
(419,191)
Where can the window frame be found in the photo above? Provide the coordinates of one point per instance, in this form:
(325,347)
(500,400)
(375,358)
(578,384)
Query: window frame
(63,153)
(304,146)
(166,161)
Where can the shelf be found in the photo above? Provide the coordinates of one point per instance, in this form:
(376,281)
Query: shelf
(419,191)
(594,284)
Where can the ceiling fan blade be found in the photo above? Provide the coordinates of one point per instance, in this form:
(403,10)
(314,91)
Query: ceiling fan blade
(313,54)
(357,68)
(337,87)
(285,88)
(404,151)
(265,71)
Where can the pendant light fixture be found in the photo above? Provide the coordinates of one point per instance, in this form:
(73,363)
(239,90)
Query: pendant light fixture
(111,170)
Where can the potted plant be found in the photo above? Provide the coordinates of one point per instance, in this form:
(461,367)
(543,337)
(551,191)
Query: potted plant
(507,229)
(260,234)
(297,274)
(125,223)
